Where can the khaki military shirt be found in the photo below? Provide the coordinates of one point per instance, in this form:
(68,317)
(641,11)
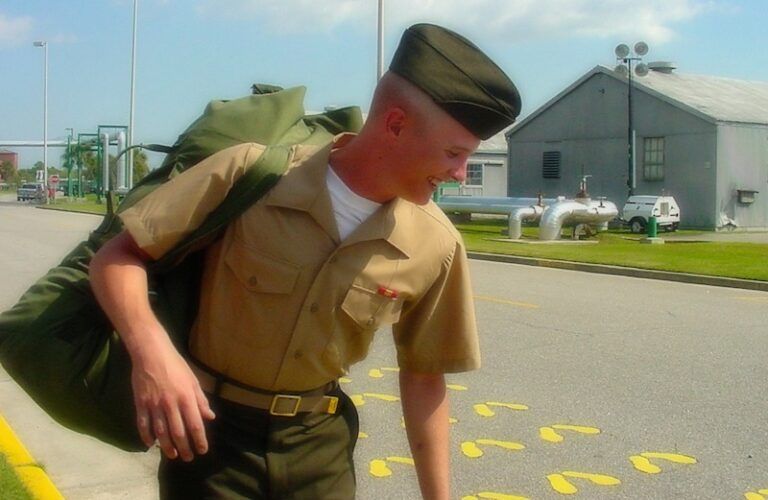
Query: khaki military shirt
(285,305)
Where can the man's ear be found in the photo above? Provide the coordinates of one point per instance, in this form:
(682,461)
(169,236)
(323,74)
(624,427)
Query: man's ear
(394,121)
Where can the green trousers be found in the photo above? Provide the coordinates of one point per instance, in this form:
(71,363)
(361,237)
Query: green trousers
(253,455)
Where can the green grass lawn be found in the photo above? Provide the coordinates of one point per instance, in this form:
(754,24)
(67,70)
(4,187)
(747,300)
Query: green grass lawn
(10,485)
(86,205)
(621,248)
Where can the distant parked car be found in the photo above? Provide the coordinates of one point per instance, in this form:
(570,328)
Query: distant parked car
(30,191)
(638,209)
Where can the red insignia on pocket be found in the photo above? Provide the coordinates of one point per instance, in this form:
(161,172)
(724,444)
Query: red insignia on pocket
(387,292)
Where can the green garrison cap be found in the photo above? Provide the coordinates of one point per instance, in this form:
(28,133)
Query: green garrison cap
(459,77)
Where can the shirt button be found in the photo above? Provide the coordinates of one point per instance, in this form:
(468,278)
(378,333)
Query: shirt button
(314,307)
(370,321)
(333,260)
(253,281)
(298,354)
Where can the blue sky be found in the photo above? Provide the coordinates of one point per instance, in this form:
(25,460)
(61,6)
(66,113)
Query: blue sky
(192,51)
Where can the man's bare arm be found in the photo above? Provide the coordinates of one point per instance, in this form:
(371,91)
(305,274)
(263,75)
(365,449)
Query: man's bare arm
(425,407)
(170,406)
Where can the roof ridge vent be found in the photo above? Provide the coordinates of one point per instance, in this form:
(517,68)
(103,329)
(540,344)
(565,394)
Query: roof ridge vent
(662,66)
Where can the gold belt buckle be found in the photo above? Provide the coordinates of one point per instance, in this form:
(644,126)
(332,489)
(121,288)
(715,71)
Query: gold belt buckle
(284,397)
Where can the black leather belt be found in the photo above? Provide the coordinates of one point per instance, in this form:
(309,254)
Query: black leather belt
(281,405)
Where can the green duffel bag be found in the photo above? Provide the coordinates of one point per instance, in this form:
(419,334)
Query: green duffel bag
(57,343)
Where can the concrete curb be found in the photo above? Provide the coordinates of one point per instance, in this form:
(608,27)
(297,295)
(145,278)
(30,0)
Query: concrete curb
(30,473)
(698,279)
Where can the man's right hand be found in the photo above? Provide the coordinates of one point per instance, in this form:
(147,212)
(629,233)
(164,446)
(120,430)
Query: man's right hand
(171,408)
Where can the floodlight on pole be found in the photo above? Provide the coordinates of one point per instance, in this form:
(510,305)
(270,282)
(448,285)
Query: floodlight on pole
(44,45)
(624,68)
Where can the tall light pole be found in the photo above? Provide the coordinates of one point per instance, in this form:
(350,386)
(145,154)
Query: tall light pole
(380,65)
(44,45)
(133,95)
(625,68)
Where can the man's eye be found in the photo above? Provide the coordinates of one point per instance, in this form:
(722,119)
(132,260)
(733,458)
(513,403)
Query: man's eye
(452,154)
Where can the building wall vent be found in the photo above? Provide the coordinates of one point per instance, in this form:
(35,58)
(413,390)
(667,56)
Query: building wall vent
(551,165)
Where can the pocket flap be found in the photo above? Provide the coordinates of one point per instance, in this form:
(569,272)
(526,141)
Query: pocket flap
(369,309)
(261,273)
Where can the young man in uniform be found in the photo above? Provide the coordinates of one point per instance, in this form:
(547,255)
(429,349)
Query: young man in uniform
(347,242)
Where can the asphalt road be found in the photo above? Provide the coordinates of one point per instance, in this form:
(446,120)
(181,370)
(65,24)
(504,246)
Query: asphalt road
(615,387)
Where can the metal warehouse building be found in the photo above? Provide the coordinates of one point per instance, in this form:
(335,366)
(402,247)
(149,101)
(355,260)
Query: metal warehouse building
(702,139)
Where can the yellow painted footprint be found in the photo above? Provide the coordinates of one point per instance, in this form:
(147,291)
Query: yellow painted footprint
(383,397)
(471,450)
(379,467)
(379,372)
(551,435)
(345,380)
(642,463)
(484,409)
(511,406)
(759,495)
(357,399)
(490,495)
(560,483)
(457,387)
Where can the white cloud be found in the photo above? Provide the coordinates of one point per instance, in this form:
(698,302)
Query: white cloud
(515,20)
(14,30)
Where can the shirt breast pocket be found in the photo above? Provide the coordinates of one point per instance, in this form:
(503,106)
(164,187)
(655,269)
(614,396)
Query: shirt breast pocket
(370,309)
(260,273)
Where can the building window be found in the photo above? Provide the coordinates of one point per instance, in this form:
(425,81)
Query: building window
(474,174)
(550,165)
(653,159)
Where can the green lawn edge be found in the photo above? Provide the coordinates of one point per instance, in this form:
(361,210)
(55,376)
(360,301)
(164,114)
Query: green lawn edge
(623,249)
(11,487)
(613,248)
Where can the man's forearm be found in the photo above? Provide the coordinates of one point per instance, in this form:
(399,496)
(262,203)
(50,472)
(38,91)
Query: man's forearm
(425,408)
(119,281)
(170,406)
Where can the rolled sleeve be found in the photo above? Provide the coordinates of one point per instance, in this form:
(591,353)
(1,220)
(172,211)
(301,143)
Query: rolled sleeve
(174,210)
(438,334)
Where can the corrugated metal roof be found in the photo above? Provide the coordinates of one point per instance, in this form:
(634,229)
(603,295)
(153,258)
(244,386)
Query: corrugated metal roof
(723,99)
(714,98)
(494,144)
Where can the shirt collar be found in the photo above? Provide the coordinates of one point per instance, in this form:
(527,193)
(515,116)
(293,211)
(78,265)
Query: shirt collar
(303,187)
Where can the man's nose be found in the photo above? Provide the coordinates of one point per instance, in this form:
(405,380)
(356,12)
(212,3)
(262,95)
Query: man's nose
(459,174)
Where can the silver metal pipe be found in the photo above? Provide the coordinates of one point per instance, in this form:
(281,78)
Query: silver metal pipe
(105,161)
(121,163)
(487,205)
(518,215)
(574,212)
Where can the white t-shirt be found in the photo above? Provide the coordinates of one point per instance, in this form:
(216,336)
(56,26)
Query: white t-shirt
(349,208)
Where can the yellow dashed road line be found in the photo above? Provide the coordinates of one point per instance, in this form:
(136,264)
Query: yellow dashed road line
(490,495)
(488,298)
(31,474)
(759,300)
